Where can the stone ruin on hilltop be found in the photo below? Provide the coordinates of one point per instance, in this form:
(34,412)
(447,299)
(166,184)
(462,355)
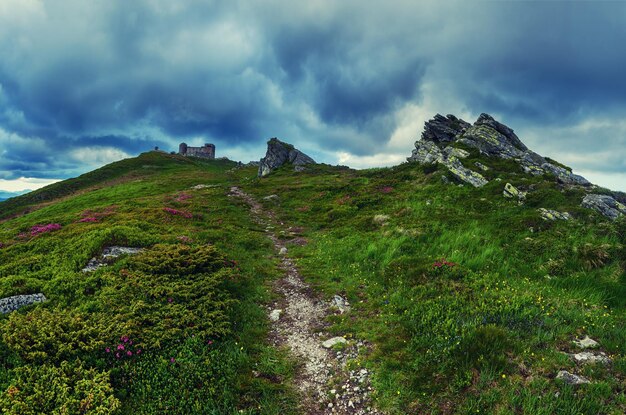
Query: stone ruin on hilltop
(206,151)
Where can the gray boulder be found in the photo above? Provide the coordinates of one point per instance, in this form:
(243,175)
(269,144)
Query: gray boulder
(586,343)
(280,153)
(584,358)
(335,340)
(16,302)
(605,205)
(571,379)
(108,256)
(464,174)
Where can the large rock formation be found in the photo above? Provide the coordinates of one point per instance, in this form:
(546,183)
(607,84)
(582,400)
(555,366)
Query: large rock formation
(490,138)
(280,153)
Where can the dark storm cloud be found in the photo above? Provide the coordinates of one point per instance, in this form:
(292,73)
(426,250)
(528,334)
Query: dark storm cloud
(83,83)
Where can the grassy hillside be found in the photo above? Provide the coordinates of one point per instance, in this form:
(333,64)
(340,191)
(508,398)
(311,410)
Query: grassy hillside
(190,303)
(469,300)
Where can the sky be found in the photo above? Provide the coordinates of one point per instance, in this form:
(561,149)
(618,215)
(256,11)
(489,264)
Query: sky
(85,83)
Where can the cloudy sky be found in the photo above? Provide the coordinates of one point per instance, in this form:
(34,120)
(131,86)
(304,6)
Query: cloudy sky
(84,83)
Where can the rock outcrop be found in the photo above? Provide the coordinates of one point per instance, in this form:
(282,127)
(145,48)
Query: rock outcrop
(427,152)
(108,256)
(16,302)
(280,153)
(490,138)
(605,205)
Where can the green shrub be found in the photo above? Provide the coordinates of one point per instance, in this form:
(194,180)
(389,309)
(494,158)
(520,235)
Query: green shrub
(44,335)
(169,292)
(69,389)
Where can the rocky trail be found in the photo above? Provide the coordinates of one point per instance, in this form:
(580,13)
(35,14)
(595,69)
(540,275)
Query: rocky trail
(326,383)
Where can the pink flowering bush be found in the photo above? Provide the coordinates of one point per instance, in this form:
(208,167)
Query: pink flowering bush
(386,189)
(176,212)
(183,197)
(39,229)
(124,349)
(89,219)
(446,269)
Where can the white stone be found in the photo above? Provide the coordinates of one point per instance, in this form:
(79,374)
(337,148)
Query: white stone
(571,379)
(587,343)
(589,357)
(275,315)
(335,340)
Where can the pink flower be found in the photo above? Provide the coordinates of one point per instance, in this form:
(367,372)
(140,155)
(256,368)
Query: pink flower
(39,229)
(183,196)
(170,300)
(210,342)
(172,360)
(182,213)
(138,351)
(124,339)
(117,355)
(89,219)
(120,347)
(108,350)
(129,353)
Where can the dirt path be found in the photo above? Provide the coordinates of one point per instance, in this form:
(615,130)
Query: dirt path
(326,384)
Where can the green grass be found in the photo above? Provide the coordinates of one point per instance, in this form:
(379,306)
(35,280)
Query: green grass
(485,335)
(201,279)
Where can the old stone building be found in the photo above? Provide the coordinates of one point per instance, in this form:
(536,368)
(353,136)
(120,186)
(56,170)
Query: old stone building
(206,151)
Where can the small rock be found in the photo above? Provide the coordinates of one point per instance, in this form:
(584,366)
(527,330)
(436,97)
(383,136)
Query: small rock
(587,343)
(335,340)
(283,251)
(275,315)
(271,197)
(549,214)
(481,166)
(588,357)
(381,219)
(341,303)
(571,379)
(510,191)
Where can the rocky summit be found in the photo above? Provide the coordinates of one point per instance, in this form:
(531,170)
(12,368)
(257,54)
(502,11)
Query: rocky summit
(449,140)
(445,138)
(280,153)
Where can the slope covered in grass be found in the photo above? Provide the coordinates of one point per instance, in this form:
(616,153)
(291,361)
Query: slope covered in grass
(470,301)
(174,329)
